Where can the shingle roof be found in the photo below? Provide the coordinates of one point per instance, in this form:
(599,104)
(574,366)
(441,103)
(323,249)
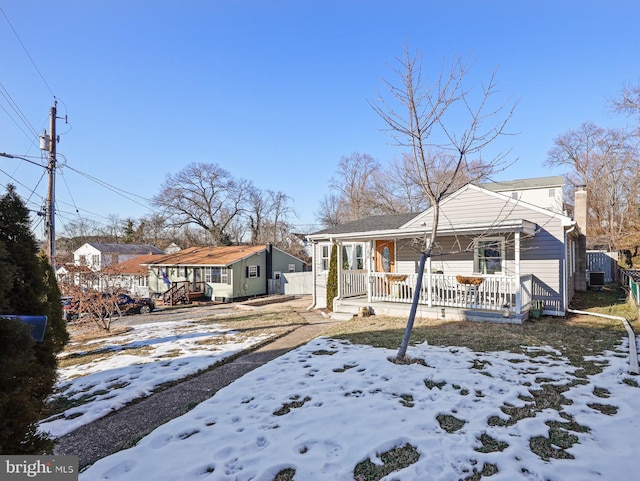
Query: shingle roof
(211,256)
(134,266)
(374,222)
(533,183)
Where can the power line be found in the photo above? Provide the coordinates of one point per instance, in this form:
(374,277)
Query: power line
(16,109)
(26,51)
(112,188)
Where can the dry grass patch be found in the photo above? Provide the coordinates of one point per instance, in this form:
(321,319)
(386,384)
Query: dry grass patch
(576,336)
(393,460)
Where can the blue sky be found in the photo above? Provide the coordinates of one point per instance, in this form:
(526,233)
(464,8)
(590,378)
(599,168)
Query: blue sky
(276,91)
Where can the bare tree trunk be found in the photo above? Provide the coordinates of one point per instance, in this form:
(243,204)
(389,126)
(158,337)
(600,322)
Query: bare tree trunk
(402,352)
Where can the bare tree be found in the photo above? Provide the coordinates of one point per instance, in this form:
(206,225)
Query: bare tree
(607,161)
(353,183)
(443,125)
(280,212)
(329,213)
(398,188)
(205,195)
(629,100)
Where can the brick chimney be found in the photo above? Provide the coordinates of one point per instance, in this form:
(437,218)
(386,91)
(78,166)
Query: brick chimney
(580,216)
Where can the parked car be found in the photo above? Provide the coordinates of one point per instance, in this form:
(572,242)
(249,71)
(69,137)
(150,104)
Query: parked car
(135,305)
(69,308)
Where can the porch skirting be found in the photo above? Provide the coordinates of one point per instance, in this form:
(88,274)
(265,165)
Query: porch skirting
(351,306)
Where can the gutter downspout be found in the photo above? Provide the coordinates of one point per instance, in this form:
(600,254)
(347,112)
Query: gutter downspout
(633,349)
(565,277)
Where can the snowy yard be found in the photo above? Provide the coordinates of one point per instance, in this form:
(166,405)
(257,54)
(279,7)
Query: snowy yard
(107,372)
(339,410)
(317,413)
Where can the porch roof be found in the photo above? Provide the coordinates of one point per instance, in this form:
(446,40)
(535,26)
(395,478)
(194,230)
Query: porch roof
(510,225)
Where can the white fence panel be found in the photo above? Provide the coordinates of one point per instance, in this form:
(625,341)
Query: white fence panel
(297,283)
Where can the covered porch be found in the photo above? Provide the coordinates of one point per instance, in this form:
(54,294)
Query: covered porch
(494,298)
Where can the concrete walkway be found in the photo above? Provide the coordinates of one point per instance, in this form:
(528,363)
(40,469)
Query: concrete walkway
(128,425)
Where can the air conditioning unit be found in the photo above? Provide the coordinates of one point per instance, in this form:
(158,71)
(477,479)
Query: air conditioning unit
(596,280)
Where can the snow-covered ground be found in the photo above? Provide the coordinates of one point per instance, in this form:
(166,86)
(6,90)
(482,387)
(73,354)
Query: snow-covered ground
(329,405)
(132,365)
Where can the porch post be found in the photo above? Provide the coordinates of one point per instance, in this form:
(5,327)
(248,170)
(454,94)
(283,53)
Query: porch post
(518,284)
(429,300)
(370,256)
(339,269)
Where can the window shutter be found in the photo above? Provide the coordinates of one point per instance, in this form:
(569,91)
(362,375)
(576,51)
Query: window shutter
(246,272)
(257,271)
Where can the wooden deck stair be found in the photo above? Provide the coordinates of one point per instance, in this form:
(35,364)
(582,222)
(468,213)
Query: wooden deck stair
(183,292)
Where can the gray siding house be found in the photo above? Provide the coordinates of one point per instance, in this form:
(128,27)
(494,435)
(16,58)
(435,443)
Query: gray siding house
(494,258)
(224,273)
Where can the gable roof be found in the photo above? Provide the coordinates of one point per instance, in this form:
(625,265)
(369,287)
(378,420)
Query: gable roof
(125,248)
(370,223)
(210,256)
(403,225)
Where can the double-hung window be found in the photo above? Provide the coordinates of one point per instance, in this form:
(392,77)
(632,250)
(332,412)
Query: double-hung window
(253,272)
(326,253)
(488,255)
(216,275)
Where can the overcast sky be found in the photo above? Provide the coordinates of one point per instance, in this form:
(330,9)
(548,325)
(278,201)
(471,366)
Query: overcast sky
(276,91)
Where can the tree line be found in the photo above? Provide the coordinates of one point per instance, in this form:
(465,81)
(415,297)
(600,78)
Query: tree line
(202,204)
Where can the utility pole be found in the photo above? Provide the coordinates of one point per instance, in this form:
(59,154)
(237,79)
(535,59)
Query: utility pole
(49,143)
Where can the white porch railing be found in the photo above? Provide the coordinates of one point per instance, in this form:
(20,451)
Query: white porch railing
(494,293)
(354,283)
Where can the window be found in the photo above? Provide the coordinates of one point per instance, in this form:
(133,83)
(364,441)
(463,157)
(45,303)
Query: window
(352,256)
(216,275)
(95,260)
(514,195)
(488,257)
(292,267)
(552,193)
(253,271)
(142,281)
(326,252)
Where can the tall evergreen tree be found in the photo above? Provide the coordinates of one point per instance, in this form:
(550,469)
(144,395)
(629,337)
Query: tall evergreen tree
(27,368)
(332,279)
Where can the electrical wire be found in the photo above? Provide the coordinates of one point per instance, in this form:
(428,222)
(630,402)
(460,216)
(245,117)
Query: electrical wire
(27,52)
(113,188)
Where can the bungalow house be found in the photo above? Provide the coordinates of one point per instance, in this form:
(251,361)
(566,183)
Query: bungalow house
(225,273)
(500,249)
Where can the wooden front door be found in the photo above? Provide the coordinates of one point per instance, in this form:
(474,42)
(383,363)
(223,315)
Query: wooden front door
(385,256)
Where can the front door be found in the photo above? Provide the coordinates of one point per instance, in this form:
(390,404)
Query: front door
(385,256)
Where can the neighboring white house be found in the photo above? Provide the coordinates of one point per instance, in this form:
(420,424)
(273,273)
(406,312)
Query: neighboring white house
(544,192)
(96,256)
(496,256)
